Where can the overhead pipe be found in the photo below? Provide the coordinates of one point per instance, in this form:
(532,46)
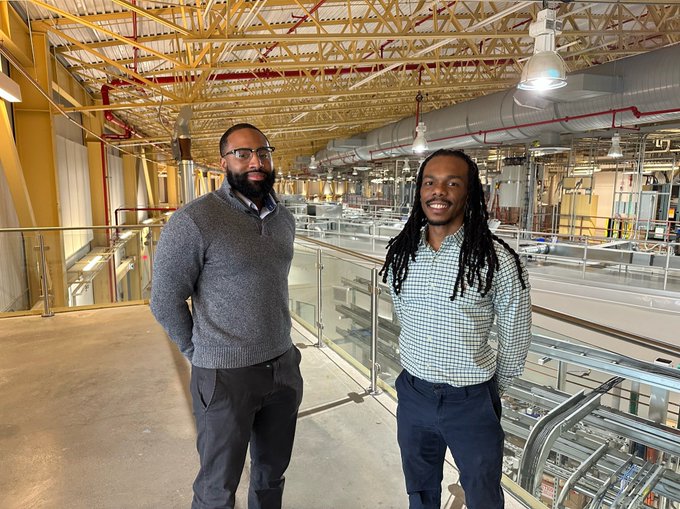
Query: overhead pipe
(650,93)
(109,115)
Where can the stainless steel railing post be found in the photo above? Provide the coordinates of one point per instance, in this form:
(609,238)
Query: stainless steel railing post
(585,257)
(44,288)
(668,261)
(375,367)
(319,301)
(561,375)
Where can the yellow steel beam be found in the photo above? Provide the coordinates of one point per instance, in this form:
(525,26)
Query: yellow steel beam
(123,70)
(151,195)
(11,164)
(14,34)
(99,28)
(289,95)
(34,127)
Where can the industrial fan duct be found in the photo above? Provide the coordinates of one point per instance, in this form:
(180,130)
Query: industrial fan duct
(182,140)
(638,90)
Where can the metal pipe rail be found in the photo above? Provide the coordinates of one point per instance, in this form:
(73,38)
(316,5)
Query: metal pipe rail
(629,337)
(607,362)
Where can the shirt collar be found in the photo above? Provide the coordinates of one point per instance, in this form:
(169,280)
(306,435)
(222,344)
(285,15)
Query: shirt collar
(269,202)
(450,240)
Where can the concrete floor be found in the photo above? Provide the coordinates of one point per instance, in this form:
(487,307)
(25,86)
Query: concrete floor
(94,414)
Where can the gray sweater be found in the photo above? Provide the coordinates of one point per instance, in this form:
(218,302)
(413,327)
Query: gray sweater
(234,266)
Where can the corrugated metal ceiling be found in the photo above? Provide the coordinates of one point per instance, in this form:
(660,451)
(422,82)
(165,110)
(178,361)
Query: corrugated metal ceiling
(250,60)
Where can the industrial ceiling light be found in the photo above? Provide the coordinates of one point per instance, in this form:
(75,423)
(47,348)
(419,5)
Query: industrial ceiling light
(407,167)
(420,142)
(312,164)
(545,69)
(9,89)
(615,150)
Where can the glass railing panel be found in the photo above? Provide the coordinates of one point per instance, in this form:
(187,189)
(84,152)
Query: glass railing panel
(19,277)
(95,266)
(302,286)
(388,341)
(346,311)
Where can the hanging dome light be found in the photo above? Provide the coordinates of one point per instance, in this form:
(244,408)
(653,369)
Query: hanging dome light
(420,142)
(545,69)
(407,167)
(615,151)
(312,164)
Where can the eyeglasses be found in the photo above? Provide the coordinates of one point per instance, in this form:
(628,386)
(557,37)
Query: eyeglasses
(244,154)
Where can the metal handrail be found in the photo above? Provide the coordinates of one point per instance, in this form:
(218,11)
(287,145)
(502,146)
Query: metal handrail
(344,250)
(629,337)
(69,228)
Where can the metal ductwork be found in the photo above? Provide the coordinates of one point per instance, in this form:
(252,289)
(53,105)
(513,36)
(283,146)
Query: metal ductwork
(637,90)
(181,140)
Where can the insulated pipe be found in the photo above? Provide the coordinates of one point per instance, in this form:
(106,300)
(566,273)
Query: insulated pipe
(651,92)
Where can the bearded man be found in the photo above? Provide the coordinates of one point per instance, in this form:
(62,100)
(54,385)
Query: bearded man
(231,251)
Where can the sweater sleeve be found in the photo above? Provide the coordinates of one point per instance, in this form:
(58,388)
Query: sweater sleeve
(177,265)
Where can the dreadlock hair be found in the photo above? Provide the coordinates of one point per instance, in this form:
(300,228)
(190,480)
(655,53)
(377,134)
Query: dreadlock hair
(477,250)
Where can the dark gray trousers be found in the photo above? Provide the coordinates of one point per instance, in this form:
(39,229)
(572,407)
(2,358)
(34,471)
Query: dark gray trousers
(255,405)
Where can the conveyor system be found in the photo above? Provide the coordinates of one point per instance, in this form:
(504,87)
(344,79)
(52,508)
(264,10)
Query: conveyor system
(589,448)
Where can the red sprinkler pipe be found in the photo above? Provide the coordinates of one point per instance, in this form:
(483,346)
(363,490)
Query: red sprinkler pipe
(108,115)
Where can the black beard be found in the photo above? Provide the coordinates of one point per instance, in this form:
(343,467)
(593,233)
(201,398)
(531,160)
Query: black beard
(253,190)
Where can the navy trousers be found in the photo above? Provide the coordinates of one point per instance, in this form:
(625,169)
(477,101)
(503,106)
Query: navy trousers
(255,405)
(432,417)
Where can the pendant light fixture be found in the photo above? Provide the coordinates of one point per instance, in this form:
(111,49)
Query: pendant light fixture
(615,151)
(419,142)
(545,69)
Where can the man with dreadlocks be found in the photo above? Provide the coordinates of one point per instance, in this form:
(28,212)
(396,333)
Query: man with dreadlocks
(449,277)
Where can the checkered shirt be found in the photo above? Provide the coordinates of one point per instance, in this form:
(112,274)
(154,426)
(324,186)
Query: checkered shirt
(444,341)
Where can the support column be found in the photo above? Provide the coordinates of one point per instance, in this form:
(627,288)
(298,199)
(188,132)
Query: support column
(36,149)
(9,158)
(131,281)
(173,188)
(150,169)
